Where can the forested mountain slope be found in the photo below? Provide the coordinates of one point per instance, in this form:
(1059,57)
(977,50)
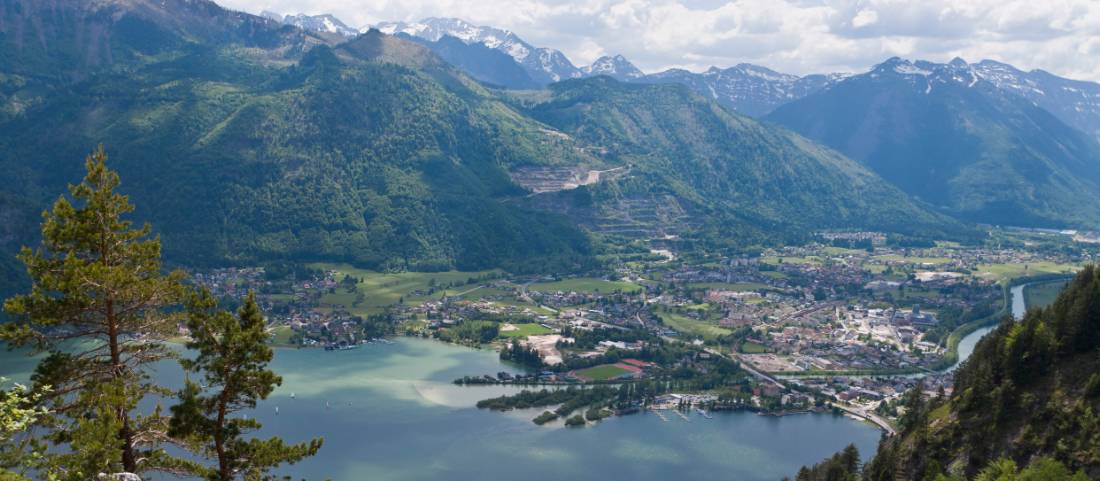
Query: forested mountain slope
(1025,406)
(743,181)
(374,151)
(245,140)
(955,140)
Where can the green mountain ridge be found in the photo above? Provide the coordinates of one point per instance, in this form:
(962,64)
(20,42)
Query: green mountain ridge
(374,152)
(743,180)
(245,140)
(942,134)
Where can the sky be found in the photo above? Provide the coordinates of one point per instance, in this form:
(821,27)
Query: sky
(790,36)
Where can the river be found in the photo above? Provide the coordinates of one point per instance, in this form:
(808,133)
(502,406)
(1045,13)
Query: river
(966,344)
(390,412)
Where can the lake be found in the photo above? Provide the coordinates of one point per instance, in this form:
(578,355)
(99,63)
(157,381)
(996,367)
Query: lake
(390,412)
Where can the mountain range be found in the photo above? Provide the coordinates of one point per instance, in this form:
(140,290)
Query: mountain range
(325,23)
(245,140)
(982,142)
(750,89)
(952,138)
(544,65)
(295,138)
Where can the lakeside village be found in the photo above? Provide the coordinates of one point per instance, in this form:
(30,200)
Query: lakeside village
(848,324)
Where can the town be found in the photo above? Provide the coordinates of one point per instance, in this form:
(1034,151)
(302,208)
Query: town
(849,322)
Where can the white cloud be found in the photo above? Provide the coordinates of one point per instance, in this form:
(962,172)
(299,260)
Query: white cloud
(796,36)
(864,18)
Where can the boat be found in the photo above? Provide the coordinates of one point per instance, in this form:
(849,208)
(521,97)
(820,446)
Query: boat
(703,413)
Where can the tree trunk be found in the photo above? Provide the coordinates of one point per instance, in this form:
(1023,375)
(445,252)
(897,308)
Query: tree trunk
(129,460)
(224,473)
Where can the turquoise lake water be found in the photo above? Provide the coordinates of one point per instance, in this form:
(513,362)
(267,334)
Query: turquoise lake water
(389,412)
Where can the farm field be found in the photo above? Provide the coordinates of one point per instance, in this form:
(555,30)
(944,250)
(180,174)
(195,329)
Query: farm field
(911,260)
(1004,272)
(1042,294)
(735,286)
(523,330)
(748,347)
(585,285)
(380,289)
(790,260)
(692,327)
(280,335)
(842,251)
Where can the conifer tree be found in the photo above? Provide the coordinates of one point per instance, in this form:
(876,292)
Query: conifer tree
(98,307)
(231,358)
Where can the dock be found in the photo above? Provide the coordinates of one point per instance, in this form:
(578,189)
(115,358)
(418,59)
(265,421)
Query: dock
(660,414)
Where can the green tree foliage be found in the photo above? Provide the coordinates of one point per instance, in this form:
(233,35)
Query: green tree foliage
(520,354)
(475,332)
(231,357)
(1029,390)
(99,309)
(19,410)
(1042,469)
(843,466)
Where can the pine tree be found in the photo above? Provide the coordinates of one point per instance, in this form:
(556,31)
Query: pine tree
(232,357)
(99,307)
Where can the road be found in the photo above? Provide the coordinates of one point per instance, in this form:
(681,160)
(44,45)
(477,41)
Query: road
(463,293)
(870,416)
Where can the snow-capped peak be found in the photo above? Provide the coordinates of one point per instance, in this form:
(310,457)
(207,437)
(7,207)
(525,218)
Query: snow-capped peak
(318,23)
(543,64)
(435,28)
(618,67)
